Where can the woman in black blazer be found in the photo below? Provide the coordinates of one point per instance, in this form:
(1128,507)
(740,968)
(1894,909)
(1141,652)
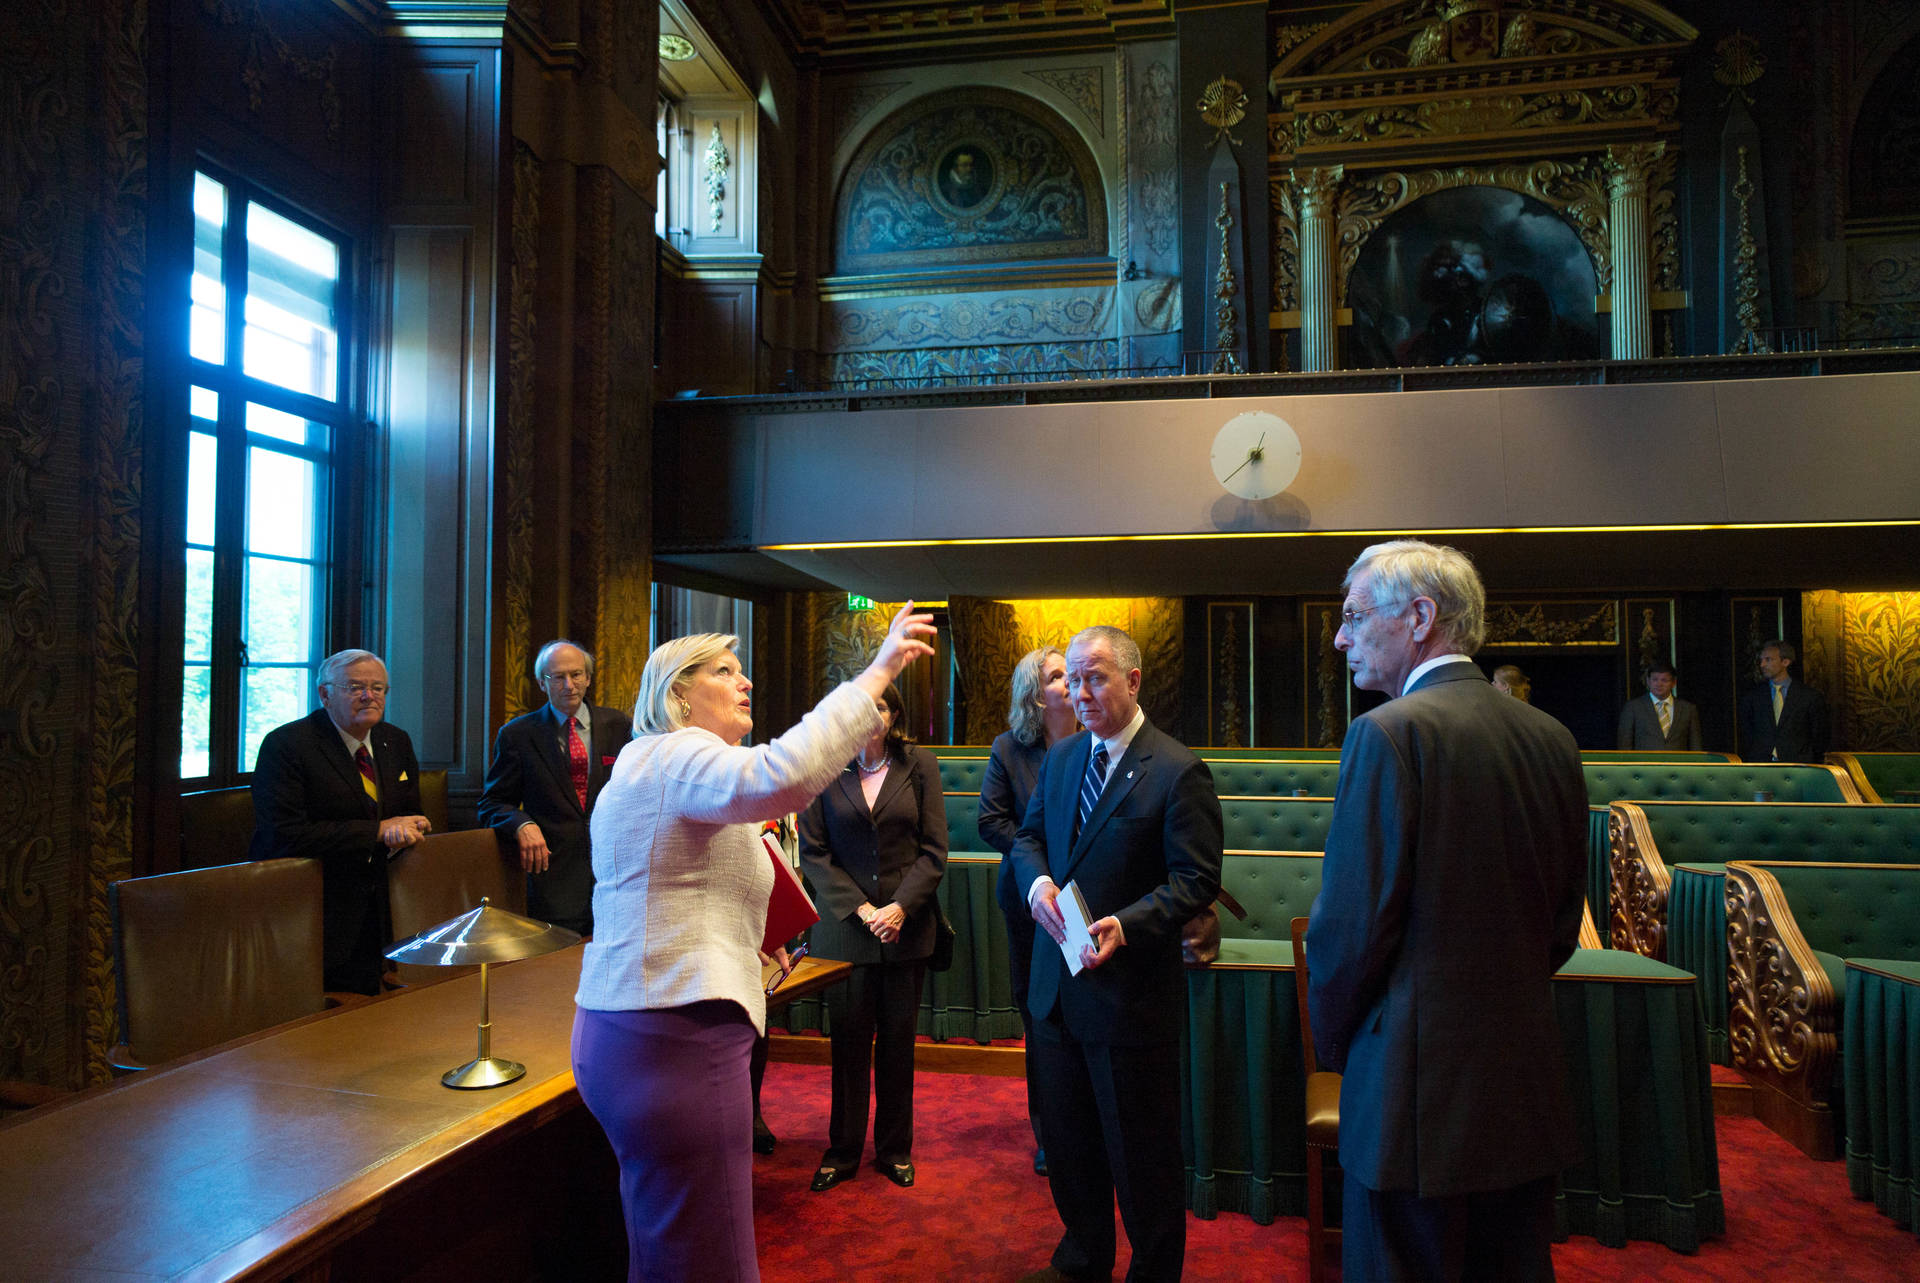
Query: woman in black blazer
(874,848)
(1038,714)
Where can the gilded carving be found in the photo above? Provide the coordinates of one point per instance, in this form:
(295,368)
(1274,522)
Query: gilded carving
(1746,274)
(718,163)
(1327,679)
(1638,882)
(1287,39)
(1286,243)
(1576,190)
(514,503)
(1079,86)
(1223,104)
(1230,665)
(1738,62)
(1226,317)
(1553,623)
(1456,116)
(1781,1017)
(1471,33)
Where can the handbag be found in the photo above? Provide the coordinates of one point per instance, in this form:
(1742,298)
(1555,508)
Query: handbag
(942,956)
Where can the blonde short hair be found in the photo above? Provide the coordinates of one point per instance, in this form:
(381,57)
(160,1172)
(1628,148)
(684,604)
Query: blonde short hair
(670,667)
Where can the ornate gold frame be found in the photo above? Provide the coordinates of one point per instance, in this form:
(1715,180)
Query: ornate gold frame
(1541,99)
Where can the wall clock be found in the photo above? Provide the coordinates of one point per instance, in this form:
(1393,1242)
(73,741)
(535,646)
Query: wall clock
(1256,455)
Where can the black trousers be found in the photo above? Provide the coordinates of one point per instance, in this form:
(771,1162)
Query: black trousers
(1020,929)
(1502,1236)
(1112,1120)
(875,1014)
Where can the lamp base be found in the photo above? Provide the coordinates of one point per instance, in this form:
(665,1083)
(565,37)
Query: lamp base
(487,1071)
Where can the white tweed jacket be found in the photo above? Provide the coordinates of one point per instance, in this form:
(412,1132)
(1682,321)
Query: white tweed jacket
(681,880)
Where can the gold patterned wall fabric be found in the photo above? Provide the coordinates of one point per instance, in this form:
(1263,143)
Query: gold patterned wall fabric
(72,297)
(1863,650)
(989,637)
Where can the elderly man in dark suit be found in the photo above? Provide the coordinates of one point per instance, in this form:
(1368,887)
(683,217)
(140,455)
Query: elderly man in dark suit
(1662,722)
(548,767)
(1451,893)
(342,786)
(1785,720)
(1128,816)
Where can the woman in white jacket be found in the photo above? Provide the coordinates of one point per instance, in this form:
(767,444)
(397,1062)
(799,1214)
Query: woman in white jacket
(670,1001)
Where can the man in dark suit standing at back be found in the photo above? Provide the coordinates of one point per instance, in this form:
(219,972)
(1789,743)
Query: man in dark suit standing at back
(1450,894)
(548,767)
(1662,722)
(1785,720)
(341,786)
(1129,815)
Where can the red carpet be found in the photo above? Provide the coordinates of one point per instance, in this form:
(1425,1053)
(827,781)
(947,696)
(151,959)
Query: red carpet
(977,1210)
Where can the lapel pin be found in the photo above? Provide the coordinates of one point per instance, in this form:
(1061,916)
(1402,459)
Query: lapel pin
(1129,774)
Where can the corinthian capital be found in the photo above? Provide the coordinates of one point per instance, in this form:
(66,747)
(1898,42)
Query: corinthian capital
(1629,166)
(1317,187)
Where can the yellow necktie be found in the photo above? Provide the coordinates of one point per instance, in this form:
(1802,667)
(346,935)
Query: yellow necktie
(1779,698)
(1666,716)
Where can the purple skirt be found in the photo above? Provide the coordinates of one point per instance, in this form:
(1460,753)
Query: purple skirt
(671,1089)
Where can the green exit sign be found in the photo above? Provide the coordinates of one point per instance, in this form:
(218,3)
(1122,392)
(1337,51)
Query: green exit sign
(859,603)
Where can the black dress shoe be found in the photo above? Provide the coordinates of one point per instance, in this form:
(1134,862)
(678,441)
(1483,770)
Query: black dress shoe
(900,1174)
(763,1138)
(827,1177)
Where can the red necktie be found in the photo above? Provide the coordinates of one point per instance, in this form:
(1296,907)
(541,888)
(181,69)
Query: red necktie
(368,780)
(577,755)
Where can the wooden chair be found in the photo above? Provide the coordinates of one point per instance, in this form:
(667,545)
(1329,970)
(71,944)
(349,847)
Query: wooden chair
(209,955)
(445,875)
(1323,1119)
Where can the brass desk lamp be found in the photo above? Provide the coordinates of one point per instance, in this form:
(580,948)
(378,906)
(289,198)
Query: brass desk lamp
(484,935)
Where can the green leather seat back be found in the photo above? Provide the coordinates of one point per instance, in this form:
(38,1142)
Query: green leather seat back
(1854,911)
(1273,777)
(1274,888)
(962,774)
(1891,773)
(1707,782)
(1716,832)
(963,823)
(1276,823)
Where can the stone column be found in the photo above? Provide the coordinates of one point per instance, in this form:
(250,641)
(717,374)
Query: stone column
(1628,170)
(1319,331)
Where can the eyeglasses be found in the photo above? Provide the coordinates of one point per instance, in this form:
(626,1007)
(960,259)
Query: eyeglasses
(553,679)
(1348,618)
(357,689)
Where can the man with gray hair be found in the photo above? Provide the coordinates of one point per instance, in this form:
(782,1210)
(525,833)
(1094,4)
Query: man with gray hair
(548,768)
(342,786)
(1450,893)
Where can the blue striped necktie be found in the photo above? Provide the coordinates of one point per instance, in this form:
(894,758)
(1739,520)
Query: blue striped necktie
(1090,786)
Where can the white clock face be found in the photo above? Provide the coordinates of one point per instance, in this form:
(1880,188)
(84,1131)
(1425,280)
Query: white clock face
(1256,455)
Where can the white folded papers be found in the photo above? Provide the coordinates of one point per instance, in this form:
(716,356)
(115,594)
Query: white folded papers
(1073,910)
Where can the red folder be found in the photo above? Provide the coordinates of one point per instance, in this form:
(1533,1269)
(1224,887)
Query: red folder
(789,909)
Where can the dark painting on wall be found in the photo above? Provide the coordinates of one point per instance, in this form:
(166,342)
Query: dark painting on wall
(1468,276)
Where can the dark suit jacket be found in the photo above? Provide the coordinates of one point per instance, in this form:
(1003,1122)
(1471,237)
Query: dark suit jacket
(1450,894)
(1013,769)
(531,780)
(1799,736)
(1149,855)
(895,851)
(1640,727)
(308,803)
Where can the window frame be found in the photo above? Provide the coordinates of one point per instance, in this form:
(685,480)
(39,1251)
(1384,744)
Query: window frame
(237,391)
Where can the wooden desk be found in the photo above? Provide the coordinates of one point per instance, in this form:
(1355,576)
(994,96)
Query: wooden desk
(329,1147)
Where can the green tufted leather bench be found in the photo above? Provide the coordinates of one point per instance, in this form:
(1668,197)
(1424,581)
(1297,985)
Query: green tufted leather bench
(962,774)
(963,824)
(1276,824)
(1881,777)
(1790,928)
(1273,777)
(1691,781)
(1274,887)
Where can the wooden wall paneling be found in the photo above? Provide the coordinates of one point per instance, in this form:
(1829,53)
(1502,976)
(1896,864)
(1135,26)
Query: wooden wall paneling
(444,113)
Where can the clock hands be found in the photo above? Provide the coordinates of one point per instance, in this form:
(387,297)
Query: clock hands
(1253,456)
